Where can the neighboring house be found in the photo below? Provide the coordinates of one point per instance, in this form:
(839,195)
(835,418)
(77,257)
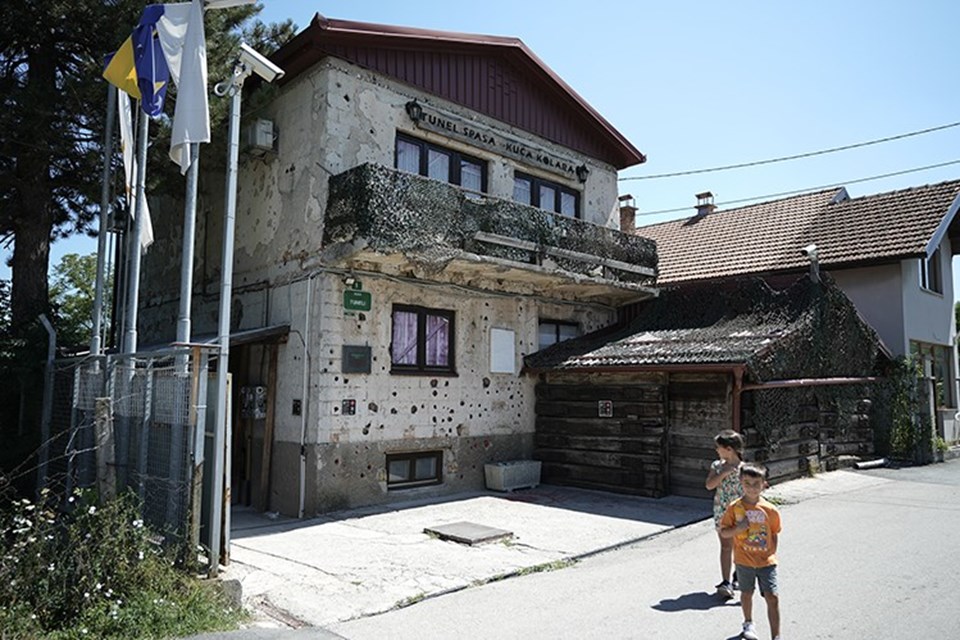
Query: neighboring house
(890,253)
(434,207)
(634,408)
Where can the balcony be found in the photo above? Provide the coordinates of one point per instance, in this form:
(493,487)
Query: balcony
(388,221)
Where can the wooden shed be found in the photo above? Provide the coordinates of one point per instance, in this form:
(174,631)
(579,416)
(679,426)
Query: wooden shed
(634,408)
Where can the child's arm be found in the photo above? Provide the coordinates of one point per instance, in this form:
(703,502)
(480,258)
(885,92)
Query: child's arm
(715,477)
(741,525)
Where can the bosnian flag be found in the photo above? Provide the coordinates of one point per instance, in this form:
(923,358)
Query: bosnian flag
(168,43)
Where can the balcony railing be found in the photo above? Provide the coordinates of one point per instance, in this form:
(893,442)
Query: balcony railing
(378,211)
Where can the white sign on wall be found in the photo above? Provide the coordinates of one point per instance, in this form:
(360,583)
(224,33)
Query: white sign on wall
(503,353)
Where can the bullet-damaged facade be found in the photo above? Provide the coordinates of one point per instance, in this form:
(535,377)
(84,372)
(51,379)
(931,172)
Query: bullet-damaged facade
(416,212)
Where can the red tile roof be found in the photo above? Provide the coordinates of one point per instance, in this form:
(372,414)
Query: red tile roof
(767,237)
(451,65)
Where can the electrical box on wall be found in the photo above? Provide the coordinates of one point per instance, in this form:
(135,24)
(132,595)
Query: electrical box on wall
(259,137)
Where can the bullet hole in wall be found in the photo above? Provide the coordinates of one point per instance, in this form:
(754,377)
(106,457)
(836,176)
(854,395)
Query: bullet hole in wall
(486,382)
(434,383)
(413,409)
(373,407)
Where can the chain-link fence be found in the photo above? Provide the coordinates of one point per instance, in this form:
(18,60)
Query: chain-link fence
(129,423)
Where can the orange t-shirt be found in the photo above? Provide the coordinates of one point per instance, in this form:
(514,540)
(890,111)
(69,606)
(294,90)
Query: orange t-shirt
(757,546)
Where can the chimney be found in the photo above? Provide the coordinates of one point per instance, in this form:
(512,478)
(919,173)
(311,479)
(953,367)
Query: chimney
(628,214)
(705,204)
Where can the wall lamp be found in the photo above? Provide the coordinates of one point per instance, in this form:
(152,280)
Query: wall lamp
(582,173)
(414,110)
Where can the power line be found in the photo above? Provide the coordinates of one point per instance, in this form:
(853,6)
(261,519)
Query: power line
(794,157)
(808,189)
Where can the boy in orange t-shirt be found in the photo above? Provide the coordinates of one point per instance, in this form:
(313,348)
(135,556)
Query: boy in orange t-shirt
(754,525)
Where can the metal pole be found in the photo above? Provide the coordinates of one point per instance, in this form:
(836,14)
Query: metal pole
(133,286)
(47,416)
(95,343)
(226,286)
(189,233)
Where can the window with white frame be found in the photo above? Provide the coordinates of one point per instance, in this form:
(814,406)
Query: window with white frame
(422,340)
(935,361)
(931,275)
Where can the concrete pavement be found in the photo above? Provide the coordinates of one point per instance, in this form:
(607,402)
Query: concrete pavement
(312,574)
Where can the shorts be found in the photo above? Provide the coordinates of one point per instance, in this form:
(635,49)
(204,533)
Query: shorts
(766,576)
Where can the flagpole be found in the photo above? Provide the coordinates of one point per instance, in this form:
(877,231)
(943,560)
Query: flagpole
(133,286)
(95,340)
(189,233)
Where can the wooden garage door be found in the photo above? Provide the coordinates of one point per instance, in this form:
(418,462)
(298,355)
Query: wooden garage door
(699,406)
(581,446)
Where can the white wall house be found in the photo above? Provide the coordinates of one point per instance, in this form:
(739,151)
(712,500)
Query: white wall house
(431,207)
(890,253)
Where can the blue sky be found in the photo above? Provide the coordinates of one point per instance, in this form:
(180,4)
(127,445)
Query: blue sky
(702,84)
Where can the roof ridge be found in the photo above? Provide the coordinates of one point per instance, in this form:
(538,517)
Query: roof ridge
(919,187)
(716,212)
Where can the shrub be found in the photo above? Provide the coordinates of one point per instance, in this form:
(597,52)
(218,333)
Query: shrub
(96,571)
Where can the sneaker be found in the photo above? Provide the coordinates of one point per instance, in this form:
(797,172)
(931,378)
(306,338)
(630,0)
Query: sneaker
(725,590)
(749,631)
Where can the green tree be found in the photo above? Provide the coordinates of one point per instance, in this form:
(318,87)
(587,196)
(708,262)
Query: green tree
(52,104)
(72,289)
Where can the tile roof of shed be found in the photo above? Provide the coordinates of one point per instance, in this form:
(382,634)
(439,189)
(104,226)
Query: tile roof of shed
(693,324)
(767,237)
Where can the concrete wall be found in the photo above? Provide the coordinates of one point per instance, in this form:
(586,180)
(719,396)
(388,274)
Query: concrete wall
(875,291)
(330,119)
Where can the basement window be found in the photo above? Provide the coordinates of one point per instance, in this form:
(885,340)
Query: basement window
(414,469)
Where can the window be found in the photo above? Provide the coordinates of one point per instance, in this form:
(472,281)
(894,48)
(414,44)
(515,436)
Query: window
(546,195)
(422,340)
(552,332)
(416,469)
(935,359)
(446,165)
(931,277)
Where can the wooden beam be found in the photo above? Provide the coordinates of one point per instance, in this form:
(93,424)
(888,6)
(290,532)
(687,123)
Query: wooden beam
(263,497)
(526,245)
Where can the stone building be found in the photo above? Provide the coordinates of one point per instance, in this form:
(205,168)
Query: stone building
(417,211)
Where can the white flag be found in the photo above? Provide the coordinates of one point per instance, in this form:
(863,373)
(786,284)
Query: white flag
(130,168)
(182,38)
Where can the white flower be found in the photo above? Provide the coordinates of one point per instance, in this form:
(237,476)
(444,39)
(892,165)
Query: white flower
(51,567)
(140,555)
(86,594)
(33,616)
(138,524)
(71,499)
(98,586)
(92,510)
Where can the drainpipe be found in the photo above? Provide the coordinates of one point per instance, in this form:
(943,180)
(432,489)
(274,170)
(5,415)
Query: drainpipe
(305,405)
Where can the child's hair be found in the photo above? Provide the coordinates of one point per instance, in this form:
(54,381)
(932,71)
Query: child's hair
(753,470)
(730,438)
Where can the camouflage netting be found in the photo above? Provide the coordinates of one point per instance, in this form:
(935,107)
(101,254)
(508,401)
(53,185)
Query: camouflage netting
(432,222)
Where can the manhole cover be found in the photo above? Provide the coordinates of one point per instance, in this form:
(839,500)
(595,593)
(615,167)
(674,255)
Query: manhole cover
(468,532)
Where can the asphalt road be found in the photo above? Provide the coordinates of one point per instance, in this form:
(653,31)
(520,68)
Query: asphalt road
(871,564)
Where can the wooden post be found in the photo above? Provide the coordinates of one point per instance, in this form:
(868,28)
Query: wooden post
(263,495)
(106,469)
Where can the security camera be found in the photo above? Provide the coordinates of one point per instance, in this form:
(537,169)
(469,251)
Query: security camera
(259,64)
(809,251)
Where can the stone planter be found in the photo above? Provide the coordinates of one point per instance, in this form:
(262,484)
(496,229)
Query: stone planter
(512,475)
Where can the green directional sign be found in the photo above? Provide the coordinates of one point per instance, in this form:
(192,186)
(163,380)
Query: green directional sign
(354,300)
